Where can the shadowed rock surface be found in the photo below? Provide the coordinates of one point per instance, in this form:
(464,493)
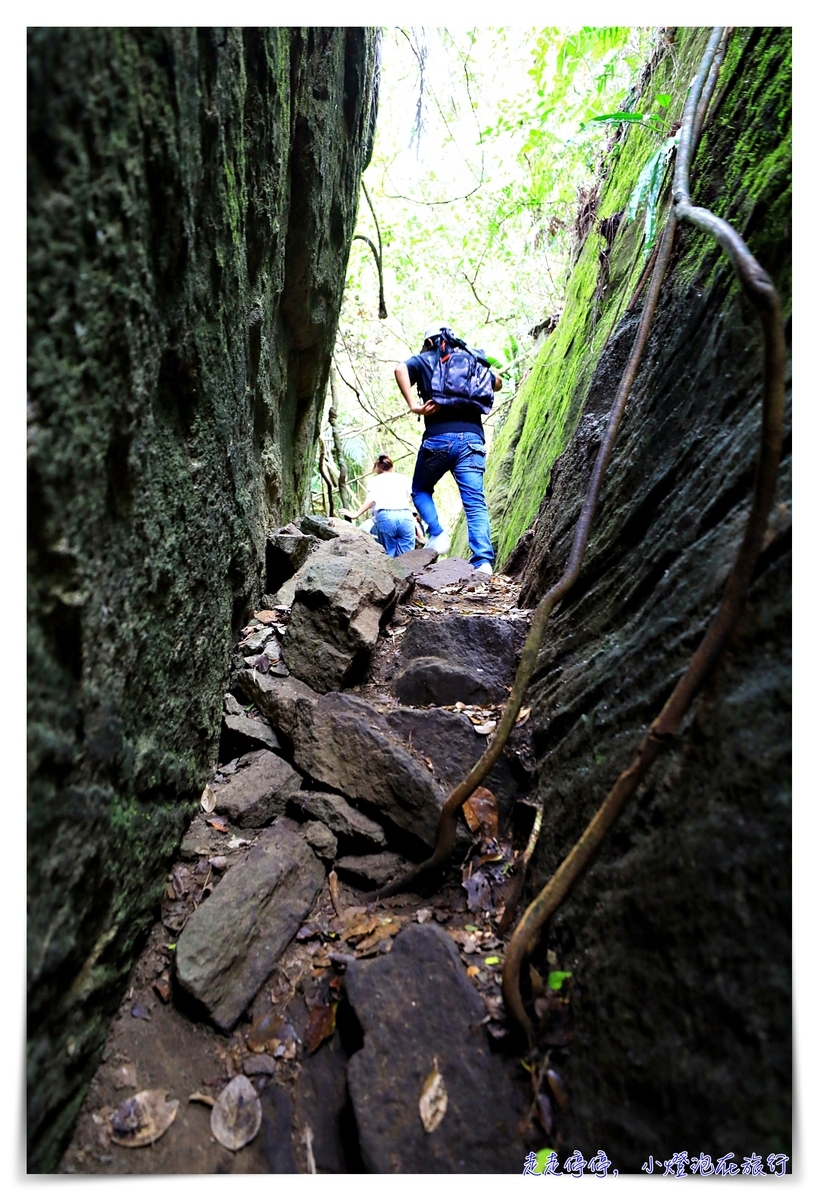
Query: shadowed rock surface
(192,198)
(679,934)
(258,790)
(343,742)
(431,680)
(415,1006)
(231,942)
(338,815)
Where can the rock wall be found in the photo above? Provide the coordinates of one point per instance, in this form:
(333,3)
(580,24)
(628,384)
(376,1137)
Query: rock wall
(192,197)
(678,936)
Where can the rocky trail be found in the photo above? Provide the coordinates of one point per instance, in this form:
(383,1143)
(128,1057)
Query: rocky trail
(280,1018)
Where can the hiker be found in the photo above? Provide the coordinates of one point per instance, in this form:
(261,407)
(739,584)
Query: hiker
(452,441)
(388,495)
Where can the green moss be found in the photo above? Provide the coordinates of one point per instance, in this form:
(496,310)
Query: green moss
(742,171)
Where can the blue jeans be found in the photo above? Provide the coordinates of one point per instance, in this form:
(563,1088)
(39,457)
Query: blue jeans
(464,454)
(395,530)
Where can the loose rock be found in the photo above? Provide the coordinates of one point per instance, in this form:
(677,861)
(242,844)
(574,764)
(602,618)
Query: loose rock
(259,789)
(231,942)
(342,595)
(342,741)
(277,698)
(322,840)
(338,815)
(254,730)
(377,869)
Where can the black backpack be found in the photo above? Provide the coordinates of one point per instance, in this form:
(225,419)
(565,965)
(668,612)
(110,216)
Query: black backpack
(461,376)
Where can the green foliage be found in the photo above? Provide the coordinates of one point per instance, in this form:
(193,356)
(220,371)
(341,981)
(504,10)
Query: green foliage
(474,178)
(557,978)
(647,189)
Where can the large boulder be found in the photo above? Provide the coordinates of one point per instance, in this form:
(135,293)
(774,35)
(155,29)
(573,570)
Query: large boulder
(342,741)
(432,680)
(343,594)
(418,1012)
(232,941)
(468,658)
(258,790)
(449,745)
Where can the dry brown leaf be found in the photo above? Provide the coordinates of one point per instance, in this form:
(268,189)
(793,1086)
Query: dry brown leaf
(143,1118)
(433,1099)
(202,1098)
(208,800)
(481,812)
(217,824)
(387,928)
(320,1026)
(266,616)
(523,716)
(360,925)
(236,1116)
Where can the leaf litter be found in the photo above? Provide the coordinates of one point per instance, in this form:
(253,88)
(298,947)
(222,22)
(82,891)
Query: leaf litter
(142,1119)
(434,1099)
(236,1116)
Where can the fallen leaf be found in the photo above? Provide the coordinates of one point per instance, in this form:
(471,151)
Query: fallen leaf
(433,1099)
(208,800)
(201,1098)
(218,824)
(423,915)
(557,1088)
(387,928)
(218,862)
(267,1032)
(162,988)
(486,729)
(492,960)
(320,1026)
(523,716)
(472,972)
(481,813)
(236,841)
(143,1118)
(236,1116)
(266,616)
(358,928)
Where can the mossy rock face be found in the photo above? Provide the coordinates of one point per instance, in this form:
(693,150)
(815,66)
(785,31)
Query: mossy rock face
(192,197)
(678,936)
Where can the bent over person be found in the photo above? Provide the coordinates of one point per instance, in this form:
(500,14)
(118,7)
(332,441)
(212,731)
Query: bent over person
(388,495)
(452,441)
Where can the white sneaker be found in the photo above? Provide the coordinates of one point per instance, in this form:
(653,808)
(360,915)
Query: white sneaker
(441,542)
(484,569)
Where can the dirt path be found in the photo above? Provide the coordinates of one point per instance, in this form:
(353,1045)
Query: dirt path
(308,1040)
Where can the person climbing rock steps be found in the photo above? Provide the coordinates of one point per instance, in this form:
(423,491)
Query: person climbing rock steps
(388,495)
(452,441)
